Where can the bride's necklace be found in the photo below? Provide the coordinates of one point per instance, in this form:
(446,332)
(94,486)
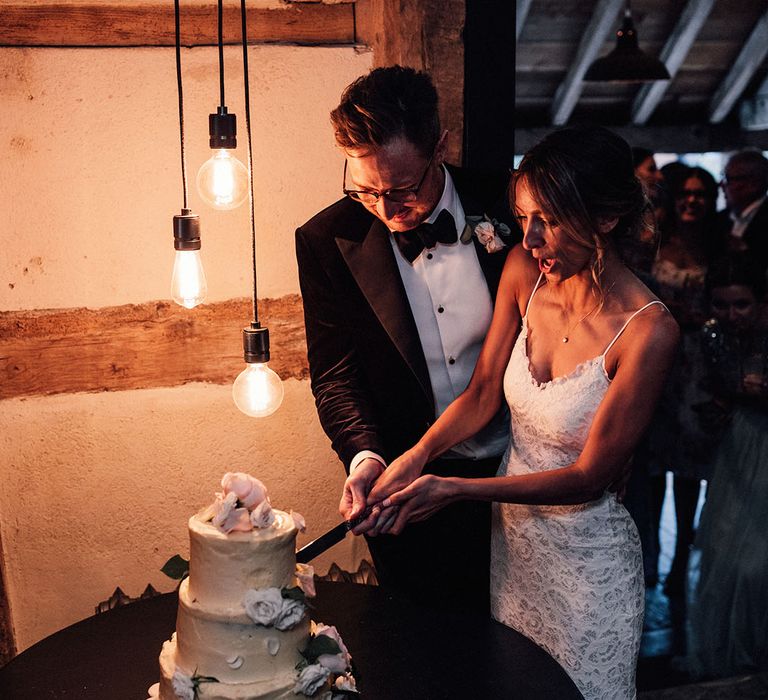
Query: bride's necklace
(566,337)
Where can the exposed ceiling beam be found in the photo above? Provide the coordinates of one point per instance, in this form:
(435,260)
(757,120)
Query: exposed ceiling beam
(741,73)
(692,138)
(603,20)
(672,56)
(521,14)
(753,113)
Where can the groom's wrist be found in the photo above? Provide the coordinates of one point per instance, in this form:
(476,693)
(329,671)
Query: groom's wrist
(361,456)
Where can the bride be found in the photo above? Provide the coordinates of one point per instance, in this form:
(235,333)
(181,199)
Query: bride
(581,357)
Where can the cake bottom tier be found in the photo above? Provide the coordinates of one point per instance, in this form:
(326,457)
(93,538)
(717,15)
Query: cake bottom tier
(278,688)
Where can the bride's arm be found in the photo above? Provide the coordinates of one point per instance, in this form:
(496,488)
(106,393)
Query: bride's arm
(625,412)
(480,401)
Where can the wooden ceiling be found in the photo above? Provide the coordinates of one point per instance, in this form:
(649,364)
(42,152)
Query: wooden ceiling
(715,50)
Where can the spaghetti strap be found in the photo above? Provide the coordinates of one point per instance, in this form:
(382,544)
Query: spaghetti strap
(626,323)
(530,298)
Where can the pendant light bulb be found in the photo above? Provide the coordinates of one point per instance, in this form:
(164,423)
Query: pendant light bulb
(258,391)
(188,285)
(222,180)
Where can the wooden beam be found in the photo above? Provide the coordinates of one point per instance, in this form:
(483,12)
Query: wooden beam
(672,56)
(753,114)
(427,35)
(156,344)
(748,61)
(521,14)
(603,20)
(152,24)
(697,138)
(7,638)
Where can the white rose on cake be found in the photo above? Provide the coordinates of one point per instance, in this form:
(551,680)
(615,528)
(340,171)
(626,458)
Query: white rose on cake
(262,515)
(311,679)
(268,607)
(305,575)
(264,606)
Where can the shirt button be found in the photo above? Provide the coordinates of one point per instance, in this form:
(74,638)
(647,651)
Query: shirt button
(429,256)
(451,360)
(440,309)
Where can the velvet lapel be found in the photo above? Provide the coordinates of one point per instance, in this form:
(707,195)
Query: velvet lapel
(372,263)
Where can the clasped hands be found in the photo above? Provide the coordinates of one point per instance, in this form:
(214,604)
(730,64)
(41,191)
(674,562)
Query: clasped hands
(389,498)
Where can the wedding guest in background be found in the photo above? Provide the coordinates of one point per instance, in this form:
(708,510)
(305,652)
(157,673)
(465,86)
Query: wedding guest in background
(566,566)
(728,610)
(398,295)
(743,225)
(652,180)
(676,441)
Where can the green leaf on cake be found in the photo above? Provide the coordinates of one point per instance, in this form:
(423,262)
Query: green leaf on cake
(294,593)
(319,645)
(176,567)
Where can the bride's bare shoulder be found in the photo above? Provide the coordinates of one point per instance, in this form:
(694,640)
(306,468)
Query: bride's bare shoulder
(521,268)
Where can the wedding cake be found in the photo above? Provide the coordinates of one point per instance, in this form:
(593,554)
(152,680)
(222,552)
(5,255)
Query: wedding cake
(242,629)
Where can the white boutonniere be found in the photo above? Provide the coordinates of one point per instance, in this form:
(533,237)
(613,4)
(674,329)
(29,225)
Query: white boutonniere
(488,232)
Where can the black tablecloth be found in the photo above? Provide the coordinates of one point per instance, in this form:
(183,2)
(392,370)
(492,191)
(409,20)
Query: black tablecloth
(400,653)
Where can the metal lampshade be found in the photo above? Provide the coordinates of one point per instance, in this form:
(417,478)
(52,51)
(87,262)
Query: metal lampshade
(627,63)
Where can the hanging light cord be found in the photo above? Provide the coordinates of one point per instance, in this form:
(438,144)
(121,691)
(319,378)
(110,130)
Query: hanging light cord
(250,159)
(181,100)
(221,53)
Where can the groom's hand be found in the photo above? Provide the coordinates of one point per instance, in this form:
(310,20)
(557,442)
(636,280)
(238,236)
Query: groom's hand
(356,489)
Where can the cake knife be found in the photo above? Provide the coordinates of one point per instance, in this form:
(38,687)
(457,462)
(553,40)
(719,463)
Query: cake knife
(323,543)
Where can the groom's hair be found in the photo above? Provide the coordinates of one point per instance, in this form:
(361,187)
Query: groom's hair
(385,104)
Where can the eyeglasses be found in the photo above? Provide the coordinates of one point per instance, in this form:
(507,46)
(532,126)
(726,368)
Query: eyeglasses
(396,194)
(732,179)
(699,194)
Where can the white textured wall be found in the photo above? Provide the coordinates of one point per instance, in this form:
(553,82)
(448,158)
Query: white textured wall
(91,171)
(95,489)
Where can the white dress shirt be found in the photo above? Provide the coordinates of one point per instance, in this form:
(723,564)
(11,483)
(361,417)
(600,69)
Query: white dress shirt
(452,307)
(743,220)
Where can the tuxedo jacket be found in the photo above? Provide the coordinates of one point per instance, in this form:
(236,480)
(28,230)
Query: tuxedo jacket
(755,235)
(368,372)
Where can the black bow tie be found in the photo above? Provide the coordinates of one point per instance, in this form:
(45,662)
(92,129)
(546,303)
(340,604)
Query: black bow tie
(413,242)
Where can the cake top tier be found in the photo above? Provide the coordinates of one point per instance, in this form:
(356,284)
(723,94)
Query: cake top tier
(239,543)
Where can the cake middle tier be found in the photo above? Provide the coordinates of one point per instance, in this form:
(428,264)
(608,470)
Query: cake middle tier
(229,646)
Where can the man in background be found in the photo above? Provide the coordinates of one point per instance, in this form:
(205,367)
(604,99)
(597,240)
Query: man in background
(743,225)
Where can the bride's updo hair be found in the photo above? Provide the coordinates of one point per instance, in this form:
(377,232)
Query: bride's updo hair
(583,175)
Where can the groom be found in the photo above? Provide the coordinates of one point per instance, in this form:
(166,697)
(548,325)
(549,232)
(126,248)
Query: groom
(398,294)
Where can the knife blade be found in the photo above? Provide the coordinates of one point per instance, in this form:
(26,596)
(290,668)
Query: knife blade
(323,543)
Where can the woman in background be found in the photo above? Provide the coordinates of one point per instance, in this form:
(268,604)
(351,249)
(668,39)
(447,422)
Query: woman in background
(676,441)
(728,610)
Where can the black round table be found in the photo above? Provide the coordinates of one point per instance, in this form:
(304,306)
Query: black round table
(400,652)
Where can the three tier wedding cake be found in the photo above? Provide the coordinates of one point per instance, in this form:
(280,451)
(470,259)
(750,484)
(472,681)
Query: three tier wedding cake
(242,628)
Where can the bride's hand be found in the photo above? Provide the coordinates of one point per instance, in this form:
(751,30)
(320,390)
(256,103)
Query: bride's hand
(418,501)
(397,475)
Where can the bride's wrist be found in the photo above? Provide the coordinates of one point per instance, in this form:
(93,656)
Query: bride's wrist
(420,455)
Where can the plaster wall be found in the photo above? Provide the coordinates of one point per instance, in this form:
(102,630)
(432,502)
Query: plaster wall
(96,489)
(91,170)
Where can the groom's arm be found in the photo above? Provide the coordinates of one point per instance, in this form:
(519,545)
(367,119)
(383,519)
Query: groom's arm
(342,394)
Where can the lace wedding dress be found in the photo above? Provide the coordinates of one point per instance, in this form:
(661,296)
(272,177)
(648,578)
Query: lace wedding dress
(568,577)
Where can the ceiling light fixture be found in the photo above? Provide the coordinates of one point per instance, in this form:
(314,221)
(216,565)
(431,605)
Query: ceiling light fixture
(258,390)
(188,285)
(222,180)
(627,63)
